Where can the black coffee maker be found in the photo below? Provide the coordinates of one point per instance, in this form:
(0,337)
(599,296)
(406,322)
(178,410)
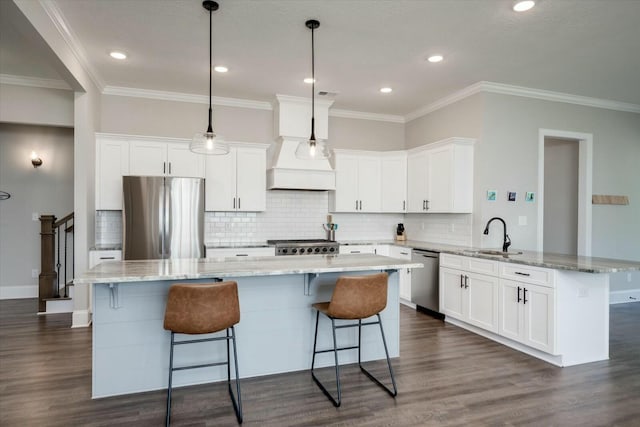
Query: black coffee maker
(400,232)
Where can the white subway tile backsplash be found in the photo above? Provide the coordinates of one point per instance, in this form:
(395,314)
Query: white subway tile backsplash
(294,214)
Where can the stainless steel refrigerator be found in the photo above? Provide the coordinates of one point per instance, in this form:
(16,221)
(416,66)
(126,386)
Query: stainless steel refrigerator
(162,217)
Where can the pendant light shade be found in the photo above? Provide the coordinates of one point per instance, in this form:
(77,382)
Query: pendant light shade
(208,142)
(313,149)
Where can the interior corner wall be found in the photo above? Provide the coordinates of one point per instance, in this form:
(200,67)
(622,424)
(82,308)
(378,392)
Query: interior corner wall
(359,134)
(463,118)
(36,105)
(153,117)
(45,190)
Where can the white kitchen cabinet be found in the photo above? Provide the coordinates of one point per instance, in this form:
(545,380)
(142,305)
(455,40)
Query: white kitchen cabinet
(440,177)
(237,181)
(357,249)
(358,183)
(112,162)
(98,256)
(404,274)
(394,183)
(527,314)
(468,295)
(156,158)
(240,252)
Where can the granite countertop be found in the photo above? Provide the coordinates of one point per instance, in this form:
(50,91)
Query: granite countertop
(183,269)
(538,259)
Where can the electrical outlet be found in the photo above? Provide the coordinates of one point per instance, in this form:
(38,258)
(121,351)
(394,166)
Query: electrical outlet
(583,293)
(35,216)
(453,228)
(422,226)
(629,277)
(34,273)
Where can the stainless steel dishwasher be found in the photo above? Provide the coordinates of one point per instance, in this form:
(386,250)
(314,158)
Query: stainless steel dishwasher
(425,286)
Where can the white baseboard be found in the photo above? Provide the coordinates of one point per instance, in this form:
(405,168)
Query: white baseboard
(18,292)
(81,319)
(621,297)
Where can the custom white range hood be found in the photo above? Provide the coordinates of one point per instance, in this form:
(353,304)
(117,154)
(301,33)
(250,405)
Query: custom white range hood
(292,116)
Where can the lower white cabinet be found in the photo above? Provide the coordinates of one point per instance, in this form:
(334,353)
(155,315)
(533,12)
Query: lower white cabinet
(98,256)
(404,278)
(357,249)
(470,297)
(527,314)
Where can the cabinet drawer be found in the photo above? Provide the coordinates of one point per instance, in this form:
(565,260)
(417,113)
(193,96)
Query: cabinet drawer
(239,252)
(527,274)
(399,252)
(96,257)
(357,249)
(453,261)
(484,266)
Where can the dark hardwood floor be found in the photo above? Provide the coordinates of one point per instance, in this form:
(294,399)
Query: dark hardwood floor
(446,376)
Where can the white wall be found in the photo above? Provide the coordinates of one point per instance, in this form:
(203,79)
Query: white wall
(34,105)
(358,134)
(45,190)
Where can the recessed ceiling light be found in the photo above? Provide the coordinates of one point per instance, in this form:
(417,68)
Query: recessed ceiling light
(435,58)
(221,68)
(309,80)
(118,55)
(386,90)
(523,5)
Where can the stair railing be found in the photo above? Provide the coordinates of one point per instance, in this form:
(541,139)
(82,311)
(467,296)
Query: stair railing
(53,264)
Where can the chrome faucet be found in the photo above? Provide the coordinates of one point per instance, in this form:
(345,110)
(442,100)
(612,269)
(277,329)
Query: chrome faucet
(506,241)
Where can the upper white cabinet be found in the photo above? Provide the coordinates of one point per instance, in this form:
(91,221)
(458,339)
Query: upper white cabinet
(358,182)
(440,177)
(112,162)
(293,117)
(394,182)
(237,181)
(153,158)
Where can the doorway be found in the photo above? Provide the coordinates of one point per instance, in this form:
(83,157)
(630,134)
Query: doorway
(564,192)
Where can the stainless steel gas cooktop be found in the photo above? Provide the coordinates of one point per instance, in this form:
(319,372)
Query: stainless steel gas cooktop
(305,247)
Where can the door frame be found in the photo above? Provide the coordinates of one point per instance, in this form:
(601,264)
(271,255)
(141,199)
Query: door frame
(585,182)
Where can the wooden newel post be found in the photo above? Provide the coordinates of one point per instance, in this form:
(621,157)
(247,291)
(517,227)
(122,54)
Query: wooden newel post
(47,278)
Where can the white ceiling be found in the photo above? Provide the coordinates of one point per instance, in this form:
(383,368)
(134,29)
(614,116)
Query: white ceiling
(581,47)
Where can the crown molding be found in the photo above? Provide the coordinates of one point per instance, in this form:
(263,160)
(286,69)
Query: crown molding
(505,89)
(10,79)
(55,14)
(130,137)
(302,100)
(568,98)
(185,97)
(348,114)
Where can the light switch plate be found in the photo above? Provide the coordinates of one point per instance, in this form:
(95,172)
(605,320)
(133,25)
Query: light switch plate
(35,216)
(34,273)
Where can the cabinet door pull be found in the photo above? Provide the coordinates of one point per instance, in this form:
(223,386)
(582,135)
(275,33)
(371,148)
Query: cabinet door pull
(107,257)
(466,281)
(164,167)
(404,253)
(427,204)
(360,204)
(169,168)
(519,299)
(524,293)
(404,205)
(462,280)
(242,254)
(234,203)
(238,202)
(522,274)
(355,252)
(356,205)
(424,203)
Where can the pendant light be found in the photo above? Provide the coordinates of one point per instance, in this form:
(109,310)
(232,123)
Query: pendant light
(313,149)
(208,142)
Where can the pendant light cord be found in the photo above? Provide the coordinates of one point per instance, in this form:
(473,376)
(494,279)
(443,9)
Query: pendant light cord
(313,88)
(210,128)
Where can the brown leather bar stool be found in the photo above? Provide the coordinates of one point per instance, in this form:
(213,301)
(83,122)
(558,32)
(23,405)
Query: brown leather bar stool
(205,308)
(354,298)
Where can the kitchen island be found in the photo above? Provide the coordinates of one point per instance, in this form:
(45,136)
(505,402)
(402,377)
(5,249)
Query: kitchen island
(275,333)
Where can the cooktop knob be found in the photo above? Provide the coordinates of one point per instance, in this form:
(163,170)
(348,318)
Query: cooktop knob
(317,250)
(324,249)
(332,249)
(284,251)
(293,251)
(309,250)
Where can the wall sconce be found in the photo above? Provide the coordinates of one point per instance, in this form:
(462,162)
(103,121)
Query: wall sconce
(35,160)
